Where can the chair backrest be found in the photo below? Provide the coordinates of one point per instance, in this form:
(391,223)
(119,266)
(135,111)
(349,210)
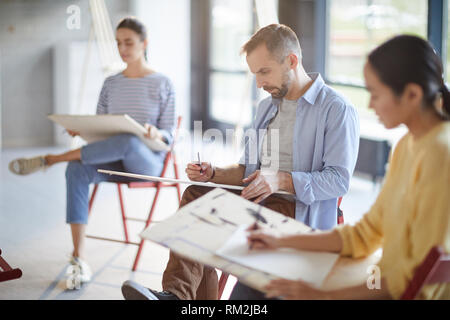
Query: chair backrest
(434,269)
(340,213)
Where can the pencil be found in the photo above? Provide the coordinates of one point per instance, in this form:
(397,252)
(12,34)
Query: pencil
(253,228)
(199,162)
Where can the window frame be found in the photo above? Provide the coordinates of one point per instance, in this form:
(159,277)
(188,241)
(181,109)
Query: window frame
(201,99)
(437,30)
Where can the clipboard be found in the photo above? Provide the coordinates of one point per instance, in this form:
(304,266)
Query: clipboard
(171,180)
(203,230)
(94,128)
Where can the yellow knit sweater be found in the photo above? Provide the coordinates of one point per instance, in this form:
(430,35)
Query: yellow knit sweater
(411,213)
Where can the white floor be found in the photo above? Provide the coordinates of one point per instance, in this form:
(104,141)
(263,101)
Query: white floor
(35,238)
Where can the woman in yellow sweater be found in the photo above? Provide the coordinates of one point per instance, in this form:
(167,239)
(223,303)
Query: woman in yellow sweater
(412,211)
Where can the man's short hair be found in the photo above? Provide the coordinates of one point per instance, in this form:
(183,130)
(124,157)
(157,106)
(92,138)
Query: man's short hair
(279,39)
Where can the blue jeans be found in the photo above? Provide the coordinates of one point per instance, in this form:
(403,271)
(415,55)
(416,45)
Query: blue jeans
(124,152)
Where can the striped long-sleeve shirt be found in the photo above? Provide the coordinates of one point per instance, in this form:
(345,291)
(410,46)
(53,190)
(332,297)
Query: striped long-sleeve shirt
(149,99)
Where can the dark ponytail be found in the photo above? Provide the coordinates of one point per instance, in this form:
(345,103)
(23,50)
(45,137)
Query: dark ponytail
(445,101)
(409,59)
(134,24)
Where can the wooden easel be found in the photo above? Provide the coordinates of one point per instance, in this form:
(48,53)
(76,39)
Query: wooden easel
(102,33)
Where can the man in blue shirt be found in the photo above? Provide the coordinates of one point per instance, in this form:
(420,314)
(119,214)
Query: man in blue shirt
(304,140)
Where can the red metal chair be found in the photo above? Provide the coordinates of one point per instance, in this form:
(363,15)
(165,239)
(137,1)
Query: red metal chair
(222,283)
(434,269)
(6,272)
(145,184)
(224,277)
(340,213)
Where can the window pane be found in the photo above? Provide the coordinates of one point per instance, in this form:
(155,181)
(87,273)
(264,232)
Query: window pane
(232,23)
(231,98)
(230,94)
(357,26)
(359,98)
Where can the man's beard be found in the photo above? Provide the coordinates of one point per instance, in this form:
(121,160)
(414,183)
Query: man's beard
(283,90)
(279,93)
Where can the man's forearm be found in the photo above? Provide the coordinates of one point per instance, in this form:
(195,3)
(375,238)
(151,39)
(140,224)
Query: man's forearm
(331,182)
(231,175)
(285,182)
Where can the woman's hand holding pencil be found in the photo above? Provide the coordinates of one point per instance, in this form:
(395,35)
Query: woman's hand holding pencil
(260,239)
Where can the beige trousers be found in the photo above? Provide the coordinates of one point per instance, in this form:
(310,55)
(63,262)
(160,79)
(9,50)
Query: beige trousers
(191,280)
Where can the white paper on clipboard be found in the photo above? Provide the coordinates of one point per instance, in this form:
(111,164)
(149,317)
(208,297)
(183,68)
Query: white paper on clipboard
(310,266)
(94,128)
(172,180)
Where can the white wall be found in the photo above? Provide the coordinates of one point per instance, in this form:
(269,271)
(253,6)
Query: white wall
(28,32)
(168,25)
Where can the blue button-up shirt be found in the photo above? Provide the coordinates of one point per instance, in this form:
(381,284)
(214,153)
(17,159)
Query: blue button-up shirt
(324,150)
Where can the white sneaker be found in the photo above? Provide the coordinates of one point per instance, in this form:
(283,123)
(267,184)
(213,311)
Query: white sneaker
(24,166)
(77,273)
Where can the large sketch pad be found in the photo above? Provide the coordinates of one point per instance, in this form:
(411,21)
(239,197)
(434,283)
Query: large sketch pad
(94,128)
(199,229)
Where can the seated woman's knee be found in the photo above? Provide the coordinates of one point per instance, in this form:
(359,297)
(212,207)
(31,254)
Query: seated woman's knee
(126,139)
(74,169)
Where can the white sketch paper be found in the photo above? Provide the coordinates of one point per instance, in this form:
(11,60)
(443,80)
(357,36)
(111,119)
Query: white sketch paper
(172,180)
(311,267)
(200,228)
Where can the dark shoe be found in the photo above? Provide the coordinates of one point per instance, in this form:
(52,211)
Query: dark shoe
(134,291)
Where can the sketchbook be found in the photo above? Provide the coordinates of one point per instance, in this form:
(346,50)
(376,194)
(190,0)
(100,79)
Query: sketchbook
(210,230)
(94,128)
(171,180)
(311,267)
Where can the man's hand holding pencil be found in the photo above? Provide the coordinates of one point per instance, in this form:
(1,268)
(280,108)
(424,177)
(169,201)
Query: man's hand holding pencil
(200,171)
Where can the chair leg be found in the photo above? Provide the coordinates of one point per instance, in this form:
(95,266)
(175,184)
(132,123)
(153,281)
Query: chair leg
(178,193)
(175,169)
(6,272)
(141,244)
(91,201)
(10,274)
(222,283)
(138,255)
(122,210)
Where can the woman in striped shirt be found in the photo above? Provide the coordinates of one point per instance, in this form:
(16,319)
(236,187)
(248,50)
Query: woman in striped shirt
(145,95)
